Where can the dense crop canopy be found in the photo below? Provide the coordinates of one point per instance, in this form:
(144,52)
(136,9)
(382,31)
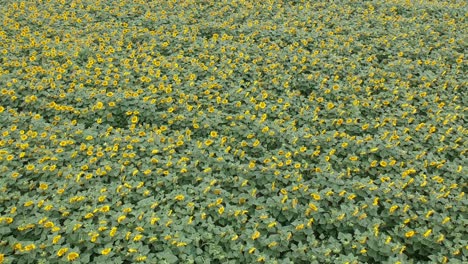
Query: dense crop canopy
(233,131)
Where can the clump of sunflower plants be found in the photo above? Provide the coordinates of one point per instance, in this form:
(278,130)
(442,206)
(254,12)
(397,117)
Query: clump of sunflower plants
(233,131)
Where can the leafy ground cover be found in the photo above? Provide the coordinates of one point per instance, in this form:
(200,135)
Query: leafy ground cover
(233,131)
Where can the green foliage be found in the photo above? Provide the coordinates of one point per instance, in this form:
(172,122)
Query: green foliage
(233,132)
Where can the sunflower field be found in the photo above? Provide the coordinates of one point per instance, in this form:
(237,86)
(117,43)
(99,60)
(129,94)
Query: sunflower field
(233,131)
